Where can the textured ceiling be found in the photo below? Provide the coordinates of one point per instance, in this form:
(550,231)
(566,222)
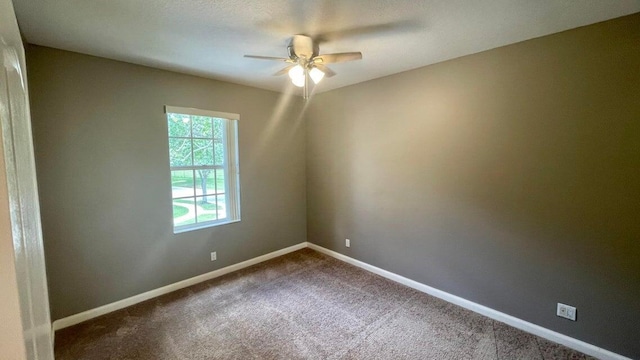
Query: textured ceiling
(210,37)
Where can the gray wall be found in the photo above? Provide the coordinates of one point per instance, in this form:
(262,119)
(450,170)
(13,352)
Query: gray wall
(102,160)
(510,178)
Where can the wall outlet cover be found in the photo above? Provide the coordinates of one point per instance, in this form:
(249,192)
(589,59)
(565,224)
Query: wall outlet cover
(566,311)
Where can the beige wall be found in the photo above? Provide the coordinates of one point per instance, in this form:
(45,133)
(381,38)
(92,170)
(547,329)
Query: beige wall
(103,172)
(510,178)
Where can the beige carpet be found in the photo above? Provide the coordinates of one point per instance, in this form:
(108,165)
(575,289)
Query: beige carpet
(303,305)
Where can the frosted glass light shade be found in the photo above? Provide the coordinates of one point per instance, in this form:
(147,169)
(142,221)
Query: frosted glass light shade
(297,75)
(316,75)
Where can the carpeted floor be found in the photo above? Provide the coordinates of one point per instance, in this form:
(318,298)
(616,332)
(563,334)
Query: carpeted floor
(303,305)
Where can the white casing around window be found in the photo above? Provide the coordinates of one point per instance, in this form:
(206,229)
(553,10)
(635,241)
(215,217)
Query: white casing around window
(231,165)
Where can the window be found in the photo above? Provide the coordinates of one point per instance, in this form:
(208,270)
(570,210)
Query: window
(203,157)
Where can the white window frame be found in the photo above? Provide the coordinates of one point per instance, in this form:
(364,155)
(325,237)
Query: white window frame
(230,167)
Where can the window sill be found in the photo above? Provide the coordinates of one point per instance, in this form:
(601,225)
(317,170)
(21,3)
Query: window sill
(202,226)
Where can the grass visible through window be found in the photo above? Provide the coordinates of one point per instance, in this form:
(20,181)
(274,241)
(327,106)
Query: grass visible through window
(179,211)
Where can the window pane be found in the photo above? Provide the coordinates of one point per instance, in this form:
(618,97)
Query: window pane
(179,125)
(220,188)
(182,183)
(203,152)
(180,152)
(198,155)
(219,152)
(183,212)
(218,127)
(222,206)
(206,208)
(205,182)
(202,126)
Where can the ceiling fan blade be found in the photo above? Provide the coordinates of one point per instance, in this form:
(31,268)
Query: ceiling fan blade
(337,58)
(285,70)
(327,72)
(266,57)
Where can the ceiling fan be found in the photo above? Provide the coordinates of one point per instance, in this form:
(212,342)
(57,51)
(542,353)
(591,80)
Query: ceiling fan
(305,61)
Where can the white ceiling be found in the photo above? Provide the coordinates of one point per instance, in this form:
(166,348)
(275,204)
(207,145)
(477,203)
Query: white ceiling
(210,37)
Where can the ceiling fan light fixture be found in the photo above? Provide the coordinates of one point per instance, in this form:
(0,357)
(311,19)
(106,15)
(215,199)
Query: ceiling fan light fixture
(297,75)
(316,75)
(305,61)
(299,82)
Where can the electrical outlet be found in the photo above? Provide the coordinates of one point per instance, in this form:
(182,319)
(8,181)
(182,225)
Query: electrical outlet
(214,256)
(347,242)
(566,311)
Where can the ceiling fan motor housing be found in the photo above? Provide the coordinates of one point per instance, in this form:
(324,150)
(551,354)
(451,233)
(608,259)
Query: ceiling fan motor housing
(303,46)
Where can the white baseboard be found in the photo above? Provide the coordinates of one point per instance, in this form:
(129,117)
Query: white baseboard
(551,335)
(105,309)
